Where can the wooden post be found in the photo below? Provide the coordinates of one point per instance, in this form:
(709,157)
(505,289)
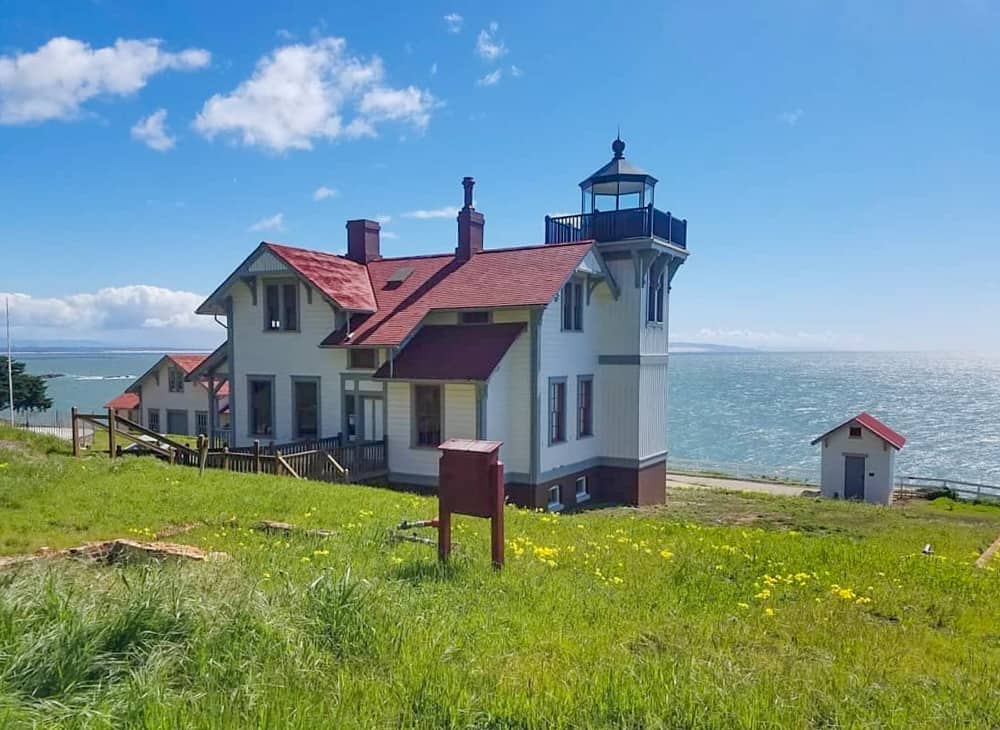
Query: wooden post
(202,453)
(225,458)
(278,470)
(76,434)
(496,521)
(444,533)
(111,433)
(256,456)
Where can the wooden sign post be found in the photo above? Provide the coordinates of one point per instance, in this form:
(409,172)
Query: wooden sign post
(470,479)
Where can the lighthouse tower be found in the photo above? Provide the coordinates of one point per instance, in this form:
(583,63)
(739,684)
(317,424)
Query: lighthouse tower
(642,247)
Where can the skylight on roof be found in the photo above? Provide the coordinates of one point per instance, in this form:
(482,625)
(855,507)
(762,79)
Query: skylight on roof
(400,275)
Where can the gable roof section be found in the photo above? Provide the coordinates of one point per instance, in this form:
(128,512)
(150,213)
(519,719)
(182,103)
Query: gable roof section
(186,361)
(868,421)
(342,281)
(124,402)
(511,277)
(452,352)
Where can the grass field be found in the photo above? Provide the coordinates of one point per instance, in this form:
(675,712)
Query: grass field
(715,610)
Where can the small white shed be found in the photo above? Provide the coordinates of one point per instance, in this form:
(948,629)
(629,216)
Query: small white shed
(859,460)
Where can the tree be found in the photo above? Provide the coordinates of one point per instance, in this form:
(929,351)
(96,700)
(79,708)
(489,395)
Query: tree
(29,390)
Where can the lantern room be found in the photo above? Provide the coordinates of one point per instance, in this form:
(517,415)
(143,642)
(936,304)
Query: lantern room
(619,185)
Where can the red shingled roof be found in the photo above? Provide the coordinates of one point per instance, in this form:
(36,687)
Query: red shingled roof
(124,402)
(874,425)
(453,352)
(510,277)
(340,279)
(186,361)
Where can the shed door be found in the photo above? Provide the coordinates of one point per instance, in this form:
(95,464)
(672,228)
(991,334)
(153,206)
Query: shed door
(854,477)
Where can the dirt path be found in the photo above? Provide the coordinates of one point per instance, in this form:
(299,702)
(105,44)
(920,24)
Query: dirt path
(778,488)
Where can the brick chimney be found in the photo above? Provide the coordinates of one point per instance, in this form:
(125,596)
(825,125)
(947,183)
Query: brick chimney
(363,241)
(470,226)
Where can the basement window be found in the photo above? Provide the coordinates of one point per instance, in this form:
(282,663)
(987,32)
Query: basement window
(855,432)
(555,498)
(582,489)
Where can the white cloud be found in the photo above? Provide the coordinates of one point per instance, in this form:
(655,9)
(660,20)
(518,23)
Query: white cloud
(152,131)
(445,212)
(454,22)
(490,79)
(790,118)
(389,235)
(516,71)
(137,306)
(434,69)
(55,80)
(301,93)
(770,339)
(488,46)
(323,192)
(383,219)
(273,223)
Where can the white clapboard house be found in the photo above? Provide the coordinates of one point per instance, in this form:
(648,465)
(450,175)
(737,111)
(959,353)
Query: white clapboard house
(558,350)
(167,400)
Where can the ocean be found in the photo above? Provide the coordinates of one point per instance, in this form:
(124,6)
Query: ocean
(741,411)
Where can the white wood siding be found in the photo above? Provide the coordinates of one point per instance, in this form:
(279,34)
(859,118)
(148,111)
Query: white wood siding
(158,397)
(283,355)
(652,410)
(616,410)
(459,422)
(568,354)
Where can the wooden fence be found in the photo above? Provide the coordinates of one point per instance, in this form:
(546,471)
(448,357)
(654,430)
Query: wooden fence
(323,460)
(960,489)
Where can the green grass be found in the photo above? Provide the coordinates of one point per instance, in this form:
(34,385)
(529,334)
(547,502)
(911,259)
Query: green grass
(715,610)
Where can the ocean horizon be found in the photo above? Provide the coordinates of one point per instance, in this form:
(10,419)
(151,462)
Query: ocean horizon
(753,410)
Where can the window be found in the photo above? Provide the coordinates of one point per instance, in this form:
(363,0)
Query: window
(281,307)
(654,302)
(305,396)
(175,380)
(582,489)
(557,410)
(361,359)
(555,497)
(855,432)
(153,419)
(427,415)
(584,406)
(572,306)
(201,422)
(261,410)
(482,317)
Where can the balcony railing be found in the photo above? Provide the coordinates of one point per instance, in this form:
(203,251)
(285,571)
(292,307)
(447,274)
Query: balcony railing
(615,225)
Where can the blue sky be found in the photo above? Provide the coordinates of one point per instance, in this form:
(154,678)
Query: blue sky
(837,161)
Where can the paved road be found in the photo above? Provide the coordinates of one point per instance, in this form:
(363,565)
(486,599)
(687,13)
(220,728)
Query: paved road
(778,488)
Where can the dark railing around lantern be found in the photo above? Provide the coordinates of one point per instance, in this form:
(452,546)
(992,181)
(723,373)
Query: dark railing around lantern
(615,225)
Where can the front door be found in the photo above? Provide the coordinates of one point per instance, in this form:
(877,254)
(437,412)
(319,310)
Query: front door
(854,477)
(373,422)
(177,422)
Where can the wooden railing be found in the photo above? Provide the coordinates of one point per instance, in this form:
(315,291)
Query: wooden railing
(322,459)
(617,225)
(958,488)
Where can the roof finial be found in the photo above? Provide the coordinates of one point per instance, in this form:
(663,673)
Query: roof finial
(618,147)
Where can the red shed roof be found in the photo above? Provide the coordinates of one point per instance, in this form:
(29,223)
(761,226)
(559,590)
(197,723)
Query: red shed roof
(506,277)
(338,278)
(186,361)
(866,420)
(453,352)
(124,402)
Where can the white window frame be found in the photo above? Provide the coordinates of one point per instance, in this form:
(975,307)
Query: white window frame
(554,506)
(582,495)
(280,325)
(571,312)
(175,379)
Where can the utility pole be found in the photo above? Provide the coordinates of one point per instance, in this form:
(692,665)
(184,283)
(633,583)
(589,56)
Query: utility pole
(10,368)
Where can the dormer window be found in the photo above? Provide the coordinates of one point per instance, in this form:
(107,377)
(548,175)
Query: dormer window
(572,306)
(281,307)
(175,380)
(854,432)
